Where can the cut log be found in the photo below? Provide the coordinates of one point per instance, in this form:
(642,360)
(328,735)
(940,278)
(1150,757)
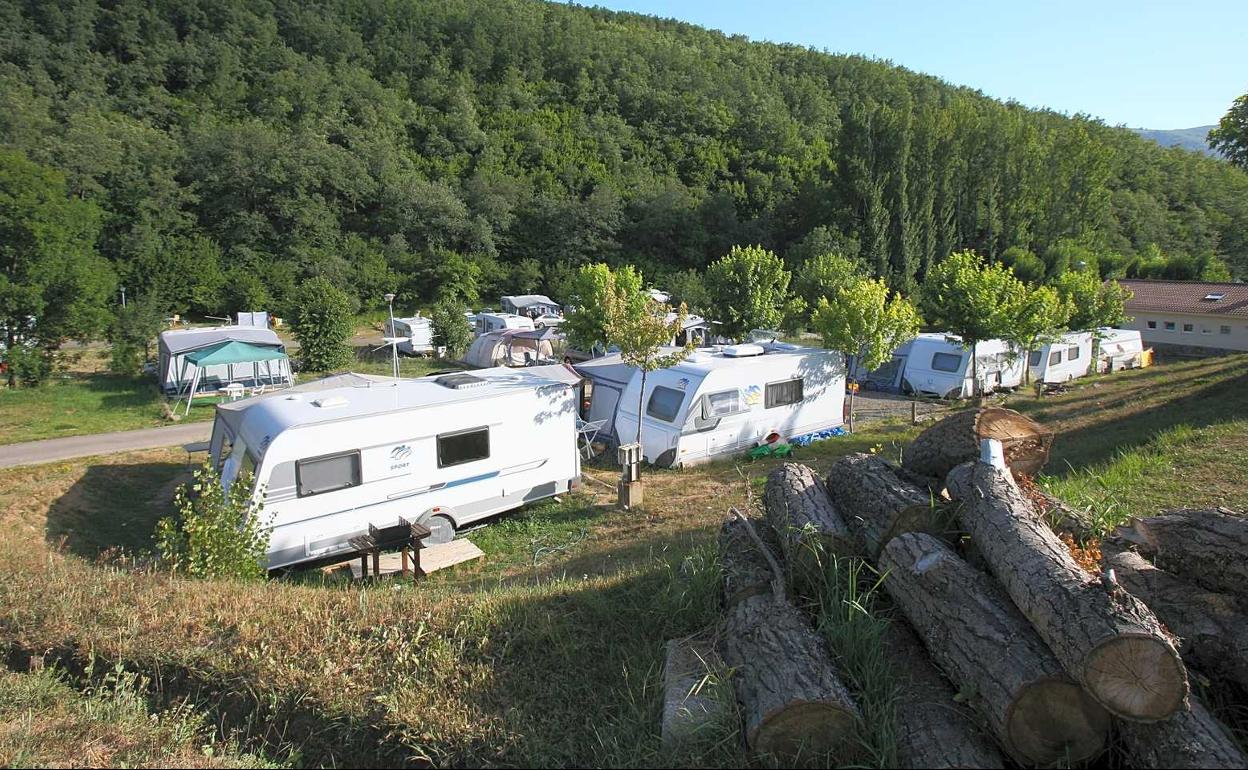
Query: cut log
(1108,640)
(1205,545)
(807,524)
(958,482)
(878,504)
(1192,738)
(744,568)
(1212,627)
(955,439)
(933,729)
(988,650)
(1060,517)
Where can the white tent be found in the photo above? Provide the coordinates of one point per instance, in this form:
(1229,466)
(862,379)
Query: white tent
(511,347)
(177,343)
(232,354)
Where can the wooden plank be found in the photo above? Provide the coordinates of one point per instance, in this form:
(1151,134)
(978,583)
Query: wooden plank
(430,559)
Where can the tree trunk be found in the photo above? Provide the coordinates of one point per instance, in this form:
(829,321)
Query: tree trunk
(955,440)
(807,524)
(1059,516)
(791,696)
(933,729)
(1204,545)
(878,504)
(1212,627)
(744,568)
(1192,738)
(991,654)
(1107,639)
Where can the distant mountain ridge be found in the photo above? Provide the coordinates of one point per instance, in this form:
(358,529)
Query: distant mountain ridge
(1187,138)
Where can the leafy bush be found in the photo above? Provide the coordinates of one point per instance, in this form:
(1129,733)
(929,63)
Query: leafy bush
(450,329)
(215,532)
(322,325)
(131,335)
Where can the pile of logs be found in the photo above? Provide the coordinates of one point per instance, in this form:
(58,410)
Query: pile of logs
(1002,645)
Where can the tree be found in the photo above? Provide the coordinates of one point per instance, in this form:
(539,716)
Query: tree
(821,278)
(973,300)
(688,288)
(53,284)
(1230,137)
(132,332)
(1040,317)
(215,531)
(450,327)
(1094,303)
(322,325)
(587,325)
(1027,267)
(748,289)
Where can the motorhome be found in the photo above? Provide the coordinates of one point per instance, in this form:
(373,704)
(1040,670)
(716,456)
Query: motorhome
(938,365)
(718,401)
(531,305)
(444,451)
(487,322)
(1065,359)
(413,335)
(1120,349)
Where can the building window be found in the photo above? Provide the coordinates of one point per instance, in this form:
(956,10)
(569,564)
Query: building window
(1187,328)
(783,393)
(946,362)
(464,446)
(1152,324)
(329,473)
(1205,329)
(665,403)
(1169,326)
(1225,330)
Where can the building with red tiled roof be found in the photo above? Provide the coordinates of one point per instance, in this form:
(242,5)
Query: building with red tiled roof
(1201,316)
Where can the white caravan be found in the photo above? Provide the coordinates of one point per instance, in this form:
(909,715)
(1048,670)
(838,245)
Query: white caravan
(1066,359)
(1118,349)
(888,377)
(497,322)
(938,365)
(444,451)
(719,401)
(414,335)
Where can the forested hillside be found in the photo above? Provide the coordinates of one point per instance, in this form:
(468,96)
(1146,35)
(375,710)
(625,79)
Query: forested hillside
(236,147)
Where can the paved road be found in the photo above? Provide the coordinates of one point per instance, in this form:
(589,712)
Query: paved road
(52,450)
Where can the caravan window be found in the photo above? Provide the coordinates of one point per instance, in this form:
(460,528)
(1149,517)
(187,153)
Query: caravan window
(1034,358)
(722,404)
(328,473)
(464,446)
(783,393)
(665,403)
(1072,354)
(946,362)
(1055,358)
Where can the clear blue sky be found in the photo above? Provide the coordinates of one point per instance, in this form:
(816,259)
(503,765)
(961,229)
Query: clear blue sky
(1146,63)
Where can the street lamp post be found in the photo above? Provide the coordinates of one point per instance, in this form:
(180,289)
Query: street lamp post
(123,297)
(394,345)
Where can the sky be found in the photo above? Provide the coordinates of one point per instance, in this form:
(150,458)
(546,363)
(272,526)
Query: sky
(1145,64)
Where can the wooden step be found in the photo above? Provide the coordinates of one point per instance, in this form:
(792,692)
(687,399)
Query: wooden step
(432,558)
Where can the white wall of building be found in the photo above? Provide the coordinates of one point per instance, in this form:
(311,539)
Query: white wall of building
(1189,329)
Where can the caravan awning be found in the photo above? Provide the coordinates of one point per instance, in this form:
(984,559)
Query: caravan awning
(234,352)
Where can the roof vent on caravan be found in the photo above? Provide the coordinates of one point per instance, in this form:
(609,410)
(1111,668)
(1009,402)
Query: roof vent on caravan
(744,351)
(330,402)
(460,381)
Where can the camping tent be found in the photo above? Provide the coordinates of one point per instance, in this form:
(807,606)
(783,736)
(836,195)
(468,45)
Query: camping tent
(177,343)
(231,354)
(512,347)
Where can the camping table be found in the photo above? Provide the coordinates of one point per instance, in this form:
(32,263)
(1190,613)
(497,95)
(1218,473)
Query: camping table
(234,390)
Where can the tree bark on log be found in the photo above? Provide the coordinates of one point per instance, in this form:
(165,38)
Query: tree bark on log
(1060,517)
(1212,627)
(1205,545)
(955,440)
(807,524)
(791,696)
(933,729)
(988,650)
(744,569)
(878,504)
(1108,640)
(1192,738)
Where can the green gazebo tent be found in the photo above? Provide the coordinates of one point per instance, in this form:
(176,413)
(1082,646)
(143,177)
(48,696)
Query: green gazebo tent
(232,353)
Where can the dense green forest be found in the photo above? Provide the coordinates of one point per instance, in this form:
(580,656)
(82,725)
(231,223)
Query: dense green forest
(234,148)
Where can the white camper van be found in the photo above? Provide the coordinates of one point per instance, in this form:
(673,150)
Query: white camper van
(888,377)
(415,334)
(1066,359)
(938,365)
(496,322)
(1119,349)
(719,401)
(444,451)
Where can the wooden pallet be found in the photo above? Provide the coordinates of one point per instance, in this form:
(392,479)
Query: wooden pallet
(432,558)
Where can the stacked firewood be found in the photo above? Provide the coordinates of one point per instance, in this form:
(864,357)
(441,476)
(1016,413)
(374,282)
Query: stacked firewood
(1004,646)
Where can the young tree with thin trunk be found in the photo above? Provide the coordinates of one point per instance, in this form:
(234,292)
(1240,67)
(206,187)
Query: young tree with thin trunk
(973,300)
(1040,317)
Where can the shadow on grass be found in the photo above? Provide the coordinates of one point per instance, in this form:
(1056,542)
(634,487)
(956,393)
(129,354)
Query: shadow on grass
(114,508)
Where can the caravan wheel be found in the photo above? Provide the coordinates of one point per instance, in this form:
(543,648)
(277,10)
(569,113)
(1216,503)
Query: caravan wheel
(441,529)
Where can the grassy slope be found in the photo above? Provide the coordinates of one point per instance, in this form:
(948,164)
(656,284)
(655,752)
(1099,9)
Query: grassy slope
(549,651)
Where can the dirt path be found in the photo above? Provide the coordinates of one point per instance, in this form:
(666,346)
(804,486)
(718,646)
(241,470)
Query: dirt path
(52,450)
